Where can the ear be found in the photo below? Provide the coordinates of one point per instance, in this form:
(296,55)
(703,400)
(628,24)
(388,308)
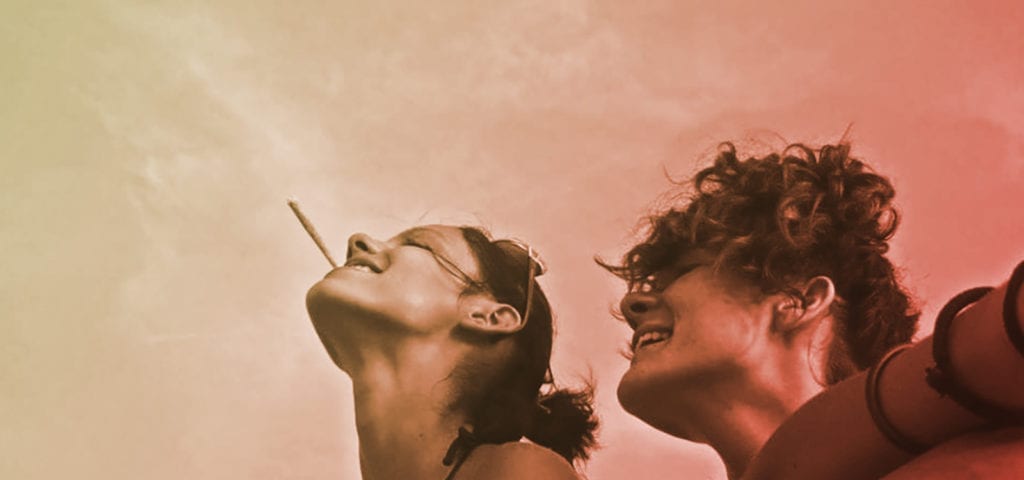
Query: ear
(789,317)
(482,314)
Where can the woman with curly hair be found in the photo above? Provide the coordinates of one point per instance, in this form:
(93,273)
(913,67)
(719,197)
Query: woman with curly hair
(770,285)
(447,339)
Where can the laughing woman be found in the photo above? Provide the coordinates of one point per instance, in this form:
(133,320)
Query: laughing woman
(447,339)
(771,286)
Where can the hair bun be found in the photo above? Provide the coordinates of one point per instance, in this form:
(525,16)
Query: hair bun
(564,421)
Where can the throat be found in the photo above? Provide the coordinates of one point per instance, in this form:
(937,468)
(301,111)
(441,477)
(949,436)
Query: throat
(404,420)
(745,421)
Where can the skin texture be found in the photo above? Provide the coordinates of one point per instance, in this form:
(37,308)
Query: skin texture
(393,331)
(737,362)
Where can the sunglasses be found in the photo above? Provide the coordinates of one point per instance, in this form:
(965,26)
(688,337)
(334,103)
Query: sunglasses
(536,268)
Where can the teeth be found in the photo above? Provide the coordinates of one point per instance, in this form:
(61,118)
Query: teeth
(651,337)
(361,268)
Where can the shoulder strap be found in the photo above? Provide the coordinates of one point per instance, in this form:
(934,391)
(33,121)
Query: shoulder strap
(459,451)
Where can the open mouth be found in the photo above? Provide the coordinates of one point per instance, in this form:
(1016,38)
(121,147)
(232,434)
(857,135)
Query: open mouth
(358,265)
(362,264)
(361,268)
(649,338)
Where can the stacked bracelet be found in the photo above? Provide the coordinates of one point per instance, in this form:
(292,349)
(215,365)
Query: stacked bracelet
(871,392)
(941,377)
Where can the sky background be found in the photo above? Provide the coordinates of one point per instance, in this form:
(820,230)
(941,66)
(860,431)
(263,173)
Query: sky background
(152,286)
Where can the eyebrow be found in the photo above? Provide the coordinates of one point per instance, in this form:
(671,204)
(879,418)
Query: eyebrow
(419,235)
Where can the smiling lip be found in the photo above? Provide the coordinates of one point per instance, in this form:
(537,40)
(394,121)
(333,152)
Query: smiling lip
(650,335)
(362,261)
(361,264)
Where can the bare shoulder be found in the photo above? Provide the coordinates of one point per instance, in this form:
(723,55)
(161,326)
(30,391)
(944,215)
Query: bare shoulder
(990,455)
(515,460)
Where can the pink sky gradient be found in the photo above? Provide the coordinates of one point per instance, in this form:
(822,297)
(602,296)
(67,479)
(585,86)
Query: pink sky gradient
(152,298)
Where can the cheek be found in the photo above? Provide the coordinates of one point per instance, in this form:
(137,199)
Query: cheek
(722,329)
(324,299)
(424,310)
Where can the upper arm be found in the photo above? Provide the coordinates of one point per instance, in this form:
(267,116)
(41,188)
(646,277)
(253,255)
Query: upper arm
(988,454)
(516,460)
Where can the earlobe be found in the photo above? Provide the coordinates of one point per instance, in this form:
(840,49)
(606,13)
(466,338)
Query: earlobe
(487,316)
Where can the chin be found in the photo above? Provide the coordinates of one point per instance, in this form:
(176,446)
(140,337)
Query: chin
(321,297)
(652,403)
(655,398)
(638,393)
(330,303)
(328,317)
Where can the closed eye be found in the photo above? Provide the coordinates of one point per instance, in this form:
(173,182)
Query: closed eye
(414,243)
(445,263)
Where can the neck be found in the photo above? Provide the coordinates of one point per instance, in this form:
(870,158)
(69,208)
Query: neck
(402,400)
(737,418)
(738,431)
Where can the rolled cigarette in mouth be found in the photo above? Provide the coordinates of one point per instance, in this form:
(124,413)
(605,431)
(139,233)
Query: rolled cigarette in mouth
(310,230)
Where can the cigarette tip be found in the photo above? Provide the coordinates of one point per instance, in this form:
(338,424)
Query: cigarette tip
(292,200)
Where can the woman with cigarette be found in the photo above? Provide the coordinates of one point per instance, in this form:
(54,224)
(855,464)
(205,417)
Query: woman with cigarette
(770,285)
(447,339)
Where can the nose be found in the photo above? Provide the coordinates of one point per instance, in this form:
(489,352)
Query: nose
(363,243)
(636,305)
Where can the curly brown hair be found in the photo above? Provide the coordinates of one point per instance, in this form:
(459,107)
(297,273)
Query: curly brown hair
(785,218)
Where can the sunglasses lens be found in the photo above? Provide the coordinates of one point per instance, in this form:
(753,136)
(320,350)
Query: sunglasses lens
(536,268)
(538,264)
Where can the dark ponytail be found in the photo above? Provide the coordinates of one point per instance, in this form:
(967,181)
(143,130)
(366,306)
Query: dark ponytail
(564,422)
(517,398)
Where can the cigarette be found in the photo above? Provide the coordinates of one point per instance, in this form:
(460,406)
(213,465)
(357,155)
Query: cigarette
(310,230)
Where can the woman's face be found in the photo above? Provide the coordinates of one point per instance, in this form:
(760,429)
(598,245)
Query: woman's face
(408,285)
(692,331)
